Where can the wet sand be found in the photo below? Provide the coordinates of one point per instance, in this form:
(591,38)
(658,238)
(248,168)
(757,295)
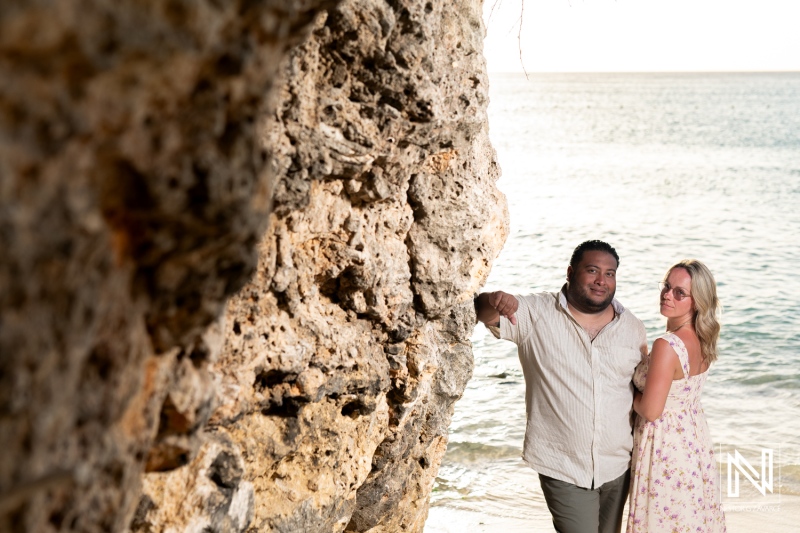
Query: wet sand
(784,518)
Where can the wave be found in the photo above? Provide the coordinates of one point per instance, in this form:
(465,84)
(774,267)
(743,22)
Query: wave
(475,452)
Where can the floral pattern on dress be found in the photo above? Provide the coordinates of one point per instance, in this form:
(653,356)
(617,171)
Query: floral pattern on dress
(674,481)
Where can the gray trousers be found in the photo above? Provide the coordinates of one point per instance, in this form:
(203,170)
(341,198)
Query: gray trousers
(577,510)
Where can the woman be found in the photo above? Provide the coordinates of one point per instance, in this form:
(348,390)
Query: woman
(674,486)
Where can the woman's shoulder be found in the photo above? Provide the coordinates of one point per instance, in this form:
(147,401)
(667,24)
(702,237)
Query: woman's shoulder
(682,337)
(686,337)
(669,338)
(670,345)
(691,345)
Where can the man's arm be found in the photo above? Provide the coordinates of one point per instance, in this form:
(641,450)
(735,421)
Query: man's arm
(490,306)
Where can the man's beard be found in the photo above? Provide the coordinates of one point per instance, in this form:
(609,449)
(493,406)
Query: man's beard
(579,299)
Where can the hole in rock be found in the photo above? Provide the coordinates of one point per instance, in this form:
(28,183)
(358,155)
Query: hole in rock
(270,378)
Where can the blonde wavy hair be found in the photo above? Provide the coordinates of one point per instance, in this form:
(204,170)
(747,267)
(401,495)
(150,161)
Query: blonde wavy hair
(706,306)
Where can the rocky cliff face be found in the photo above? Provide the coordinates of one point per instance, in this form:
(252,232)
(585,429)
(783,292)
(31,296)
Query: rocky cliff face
(141,146)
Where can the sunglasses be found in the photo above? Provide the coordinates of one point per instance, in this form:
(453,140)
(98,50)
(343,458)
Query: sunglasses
(677,293)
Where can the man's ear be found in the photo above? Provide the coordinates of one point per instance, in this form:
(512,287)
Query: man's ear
(569,273)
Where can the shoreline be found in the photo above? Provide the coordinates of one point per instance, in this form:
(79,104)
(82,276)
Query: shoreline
(781,518)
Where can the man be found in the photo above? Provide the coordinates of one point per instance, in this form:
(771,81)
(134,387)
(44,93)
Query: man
(578,349)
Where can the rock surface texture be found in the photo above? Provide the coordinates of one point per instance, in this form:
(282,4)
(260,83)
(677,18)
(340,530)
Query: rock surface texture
(240,242)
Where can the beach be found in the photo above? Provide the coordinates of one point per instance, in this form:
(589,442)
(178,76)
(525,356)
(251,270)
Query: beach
(783,519)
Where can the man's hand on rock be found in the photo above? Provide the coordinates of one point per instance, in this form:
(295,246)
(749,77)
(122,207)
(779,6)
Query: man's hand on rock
(505,304)
(490,306)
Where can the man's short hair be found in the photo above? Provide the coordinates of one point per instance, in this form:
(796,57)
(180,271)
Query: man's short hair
(591,246)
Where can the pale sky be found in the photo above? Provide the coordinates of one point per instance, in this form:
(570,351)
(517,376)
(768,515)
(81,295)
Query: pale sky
(643,35)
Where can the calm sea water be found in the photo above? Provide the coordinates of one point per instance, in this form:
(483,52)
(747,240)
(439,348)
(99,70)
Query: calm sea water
(664,167)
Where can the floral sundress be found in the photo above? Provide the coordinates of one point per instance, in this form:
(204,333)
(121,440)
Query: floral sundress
(674,476)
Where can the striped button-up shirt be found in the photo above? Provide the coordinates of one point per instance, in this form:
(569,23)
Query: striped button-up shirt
(578,391)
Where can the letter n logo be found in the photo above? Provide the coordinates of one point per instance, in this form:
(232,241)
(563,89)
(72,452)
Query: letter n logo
(738,464)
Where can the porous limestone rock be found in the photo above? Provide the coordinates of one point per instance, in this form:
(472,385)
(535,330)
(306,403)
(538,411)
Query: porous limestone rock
(133,191)
(141,143)
(344,355)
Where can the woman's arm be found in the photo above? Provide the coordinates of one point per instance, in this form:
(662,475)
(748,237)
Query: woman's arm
(664,365)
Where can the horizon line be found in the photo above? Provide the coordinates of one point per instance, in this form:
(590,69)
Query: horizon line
(796,71)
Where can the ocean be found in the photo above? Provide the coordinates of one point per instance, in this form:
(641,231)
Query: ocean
(664,167)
